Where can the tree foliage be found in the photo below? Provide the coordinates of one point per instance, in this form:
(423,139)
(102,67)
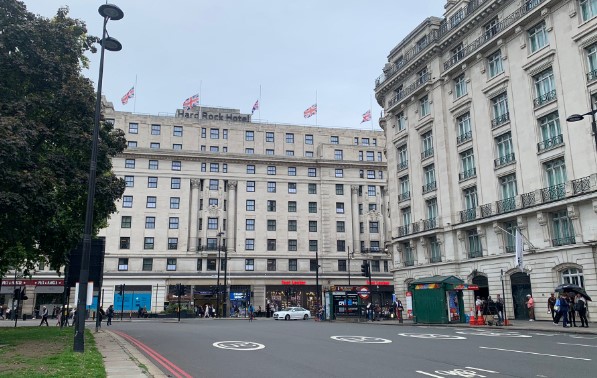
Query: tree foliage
(46,127)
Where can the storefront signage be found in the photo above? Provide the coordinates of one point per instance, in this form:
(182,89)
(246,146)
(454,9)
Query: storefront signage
(343,288)
(466,287)
(426,286)
(294,282)
(364,292)
(237,296)
(219,116)
(379,283)
(33,282)
(409,304)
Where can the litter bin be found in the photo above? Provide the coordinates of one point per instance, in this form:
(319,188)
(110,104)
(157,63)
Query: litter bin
(24,316)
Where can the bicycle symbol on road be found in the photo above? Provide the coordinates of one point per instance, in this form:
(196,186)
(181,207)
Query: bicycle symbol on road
(361,339)
(238,345)
(435,336)
(494,334)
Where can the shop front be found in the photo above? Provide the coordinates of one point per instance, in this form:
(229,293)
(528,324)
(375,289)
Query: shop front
(39,293)
(439,299)
(291,293)
(345,301)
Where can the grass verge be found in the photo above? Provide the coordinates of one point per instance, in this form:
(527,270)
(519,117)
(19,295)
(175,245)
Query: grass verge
(47,352)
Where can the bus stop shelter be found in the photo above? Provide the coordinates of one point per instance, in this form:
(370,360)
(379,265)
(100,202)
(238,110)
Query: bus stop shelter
(438,300)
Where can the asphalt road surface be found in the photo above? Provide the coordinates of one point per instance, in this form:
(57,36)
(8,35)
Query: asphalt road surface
(292,349)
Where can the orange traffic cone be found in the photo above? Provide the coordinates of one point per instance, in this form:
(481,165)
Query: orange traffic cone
(480,320)
(472,319)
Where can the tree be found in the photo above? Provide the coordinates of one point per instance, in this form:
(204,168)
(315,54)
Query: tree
(46,126)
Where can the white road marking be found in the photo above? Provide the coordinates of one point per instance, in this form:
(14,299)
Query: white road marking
(435,336)
(583,337)
(544,334)
(238,345)
(487,371)
(584,345)
(495,334)
(537,354)
(429,374)
(361,339)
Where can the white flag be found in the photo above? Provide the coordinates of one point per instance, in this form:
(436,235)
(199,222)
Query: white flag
(519,258)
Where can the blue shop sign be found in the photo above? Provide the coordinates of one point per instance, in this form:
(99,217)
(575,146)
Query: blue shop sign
(237,296)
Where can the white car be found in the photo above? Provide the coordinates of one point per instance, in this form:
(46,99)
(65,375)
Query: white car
(292,313)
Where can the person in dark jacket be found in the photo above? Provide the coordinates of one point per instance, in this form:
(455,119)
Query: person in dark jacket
(551,302)
(581,308)
(572,311)
(564,309)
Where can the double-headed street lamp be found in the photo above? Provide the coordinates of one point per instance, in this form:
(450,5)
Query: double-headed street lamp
(108,12)
(580,117)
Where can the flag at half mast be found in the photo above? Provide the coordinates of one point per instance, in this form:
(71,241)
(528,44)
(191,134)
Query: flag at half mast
(311,111)
(366,116)
(190,102)
(127,96)
(255,107)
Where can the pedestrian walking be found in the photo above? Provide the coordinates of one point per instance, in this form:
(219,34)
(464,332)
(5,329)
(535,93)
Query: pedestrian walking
(572,311)
(110,315)
(100,316)
(551,302)
(44,316)
(564,309)
(531,307)
(59,317)
(251,311)
(581,308)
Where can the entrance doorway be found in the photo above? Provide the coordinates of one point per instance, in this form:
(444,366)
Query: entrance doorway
(483,284)
(521,286)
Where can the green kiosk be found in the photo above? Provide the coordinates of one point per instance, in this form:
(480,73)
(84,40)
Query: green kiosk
(438,299)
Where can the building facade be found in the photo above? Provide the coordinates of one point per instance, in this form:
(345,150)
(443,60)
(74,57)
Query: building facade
(213,197)
(475,107)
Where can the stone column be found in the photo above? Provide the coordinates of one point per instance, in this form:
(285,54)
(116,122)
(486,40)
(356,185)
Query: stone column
(231,232)
(354,198)
(194,214)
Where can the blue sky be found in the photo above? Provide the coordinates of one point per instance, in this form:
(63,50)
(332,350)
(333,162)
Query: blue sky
(227,50)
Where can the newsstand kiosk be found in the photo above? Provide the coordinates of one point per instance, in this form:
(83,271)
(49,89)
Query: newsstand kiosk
(438,300)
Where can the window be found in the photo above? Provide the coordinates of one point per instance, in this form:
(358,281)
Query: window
(269,136)
(249,151)
(212,223)
(591,52)
(401,121)
(214,133)
(312,188)
(424,106)
(538,37)
(203,132)
(292,265)
(340,226)
(340,245)
(563,230)
(129,163)
(494,64)
(271,187)
(156,129)
(250,205)
(271,265)
(427,144)
(339,189)
(129,181)
(151,202)
(172,243)
(214,167)
(147,264)
(334,139)
(308,139)
(470,198)
(148,243)
(250,224)
(125,221)
(365,141)
(474,244)
(292,225)
(250,186)
(271,244)
(292,187)
(289,152)
(573,276)
(214,149)
(131,144)
(214,184)
(153,164)
(429,174)
(508,186)
(125,243)
(503,145)
(370,174)
(373,227)
(361,156)
(249,244)
(499,105)
(174,202)
(545,87)
(291,171)
(133,128)
(249,135)
(312,226)
(271,225)
(308,153)
(339,207)
(312,172)
(171,264)
(491,28)
(402,157)
(225,134)
(371,190)
(555,172)
(199,265)
(271,205)
(312,245)
(338,155)
(460,86)
(123,263)
(289,138)
(370,156)
(292,245)
(213,202)
(404,184)
(339,172)
(372,207)
(177,131)
(271,170)
(177,146)
(292,206)
(464,128)
(176,165)
(312,207)
(269,151)
(250,169)
(551,134)
(150,223)
(175,183)
(342,266)
(203,167)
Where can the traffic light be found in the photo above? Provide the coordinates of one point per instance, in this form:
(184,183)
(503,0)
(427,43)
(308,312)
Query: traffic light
(16,294)
(23,296)
(182,290)
(365,269)
(120,289)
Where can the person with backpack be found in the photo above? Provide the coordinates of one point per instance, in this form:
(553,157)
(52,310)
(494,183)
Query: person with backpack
(110,315)
(581,307)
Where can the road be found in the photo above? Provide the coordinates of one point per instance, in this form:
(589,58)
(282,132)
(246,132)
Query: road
(292,349)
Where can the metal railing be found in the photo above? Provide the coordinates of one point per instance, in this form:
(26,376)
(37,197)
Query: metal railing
(544,98)
(581,185)
(510,248)
(435,258)
(550,143)
(429,224)
(404,230)
(429,187)
(553,193)
(563,241)
(506,205)
(403,196)
(503,160)
(467,174)
(486,210)
(464,137)
(473,254)
(468,215)
(402,165)
(409,259)
(416,227)
(528,199)
(500,120)
(427,153)
(591,76)
(425,78)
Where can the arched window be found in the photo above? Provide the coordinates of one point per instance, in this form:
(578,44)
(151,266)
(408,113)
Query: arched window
(573,276)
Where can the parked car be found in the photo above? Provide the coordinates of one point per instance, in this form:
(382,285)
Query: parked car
(292,313)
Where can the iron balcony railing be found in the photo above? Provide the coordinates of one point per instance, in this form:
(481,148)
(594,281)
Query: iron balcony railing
(416,227)
(402,165)
(506,205)
(553,193)
(503,160)
(409,258)
(581,185)
(486,210)
(372,250)
(427,153)
(429,187)
(425,78)
(429,224)
(544,98)
(468,215)
(464,137)
(473,254)
(510,248)
(403,196)
(591,76)
(500,120)
(528,199)
(404,230)
(467,174)
(473,46)
(563,241)
(550,143)
(435,258)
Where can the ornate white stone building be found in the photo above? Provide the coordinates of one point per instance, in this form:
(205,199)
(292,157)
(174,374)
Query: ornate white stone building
(478,145)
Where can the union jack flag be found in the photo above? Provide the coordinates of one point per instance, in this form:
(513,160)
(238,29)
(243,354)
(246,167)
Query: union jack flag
(255,107)
(129,94)
(366,116)
(312,110)
(190,102)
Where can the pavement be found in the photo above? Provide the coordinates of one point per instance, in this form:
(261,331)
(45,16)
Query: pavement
(124,360)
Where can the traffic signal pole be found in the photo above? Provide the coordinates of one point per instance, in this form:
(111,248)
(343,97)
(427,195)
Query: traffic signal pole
(122,290)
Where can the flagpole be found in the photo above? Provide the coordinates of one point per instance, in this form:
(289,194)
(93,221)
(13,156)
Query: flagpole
(316,108)
(200,97)
(370,111)
(135,102)
(259,107)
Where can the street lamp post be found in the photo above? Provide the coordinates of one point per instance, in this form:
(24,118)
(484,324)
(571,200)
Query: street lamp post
(317,281)
(348,262)
(226,296)
(108,12)
(219,235)
(580,117)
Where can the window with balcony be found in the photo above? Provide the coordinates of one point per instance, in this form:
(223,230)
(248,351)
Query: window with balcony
(499,107)
(505,154)
(404,185)
(591,52)
(510,236)
(400,121)
(491,28)
(473,244)
(508,193)
(494,64)
(562,229)
(555,177)
(537,37)
(464,128)
(456,54)
(435,253)
(402,157)
(467,161)
(431,221)
(429,178)
(406,217)
(460,86)
(545,88)
(424,106)
(427,145)
(470,204)
(408,255)
(551,134)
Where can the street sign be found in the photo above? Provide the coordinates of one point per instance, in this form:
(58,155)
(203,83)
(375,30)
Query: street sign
(363,292)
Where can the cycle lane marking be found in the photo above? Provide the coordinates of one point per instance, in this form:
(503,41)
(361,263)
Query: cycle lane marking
(536,353)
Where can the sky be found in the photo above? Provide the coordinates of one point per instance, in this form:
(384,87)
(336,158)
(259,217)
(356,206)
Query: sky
(288,54)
